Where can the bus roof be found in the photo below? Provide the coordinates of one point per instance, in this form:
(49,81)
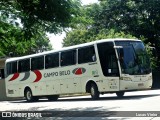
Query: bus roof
(70,47)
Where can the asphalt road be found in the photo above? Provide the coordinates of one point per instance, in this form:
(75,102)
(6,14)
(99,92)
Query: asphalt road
(144,105)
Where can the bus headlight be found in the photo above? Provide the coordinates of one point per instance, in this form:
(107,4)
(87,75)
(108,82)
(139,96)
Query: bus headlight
(126,78)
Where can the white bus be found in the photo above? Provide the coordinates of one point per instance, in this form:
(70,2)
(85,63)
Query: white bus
(103,66)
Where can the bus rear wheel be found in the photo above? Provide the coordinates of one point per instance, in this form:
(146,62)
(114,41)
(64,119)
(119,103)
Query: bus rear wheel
(120,94)
(94,92)
(53,97)
(29,97)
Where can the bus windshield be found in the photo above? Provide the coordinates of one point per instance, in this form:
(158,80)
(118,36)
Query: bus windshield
(133,58)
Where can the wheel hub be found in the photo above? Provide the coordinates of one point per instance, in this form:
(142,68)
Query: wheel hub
(28,95)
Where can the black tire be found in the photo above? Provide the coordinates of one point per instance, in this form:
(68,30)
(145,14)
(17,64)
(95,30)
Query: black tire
(120,94)
(94,92)
(29,97)
(53,97)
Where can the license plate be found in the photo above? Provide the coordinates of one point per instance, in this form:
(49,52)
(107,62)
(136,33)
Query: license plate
(140,84)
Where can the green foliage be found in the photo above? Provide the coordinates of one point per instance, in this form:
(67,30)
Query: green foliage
(86,15)
(80,36)
(103,34)
(75,37)
(13,40)
(120,18)
(51,15)
(139,18)
(23,23)
(152,54)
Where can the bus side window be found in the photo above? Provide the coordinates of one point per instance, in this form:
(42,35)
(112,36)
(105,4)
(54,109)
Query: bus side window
(86,54)
(52,60)
(37,63)
(68,58)
(24,65)
(12,67)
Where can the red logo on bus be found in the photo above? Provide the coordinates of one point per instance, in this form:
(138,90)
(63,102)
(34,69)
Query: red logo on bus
(79,71)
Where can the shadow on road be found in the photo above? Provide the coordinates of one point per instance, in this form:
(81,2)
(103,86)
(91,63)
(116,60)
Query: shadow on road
(80,113)
(71,99)
(89,113)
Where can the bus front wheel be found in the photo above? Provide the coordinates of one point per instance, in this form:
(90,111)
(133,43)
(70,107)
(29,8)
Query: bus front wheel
(120,94)
(94,92)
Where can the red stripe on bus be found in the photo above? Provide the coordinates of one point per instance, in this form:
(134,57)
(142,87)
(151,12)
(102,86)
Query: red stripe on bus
(38,75)
(15,76)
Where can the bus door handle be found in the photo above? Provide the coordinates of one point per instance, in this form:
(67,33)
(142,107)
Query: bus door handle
(61,84)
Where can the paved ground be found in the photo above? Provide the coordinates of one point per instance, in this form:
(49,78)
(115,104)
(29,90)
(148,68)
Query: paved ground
(134,104)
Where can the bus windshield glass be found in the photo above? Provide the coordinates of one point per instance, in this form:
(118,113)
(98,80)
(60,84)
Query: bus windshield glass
(133,58)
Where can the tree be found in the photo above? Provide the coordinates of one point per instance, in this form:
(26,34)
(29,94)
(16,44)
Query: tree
(138,18)
(51,15)
(80,36)
(87,27)
(13,40)
(23,23)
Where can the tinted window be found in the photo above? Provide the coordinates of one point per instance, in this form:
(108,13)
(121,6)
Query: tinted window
(68,58)
(52,60)
(11,68)
(86,54)
(24,65)
(37,63)
(108,59)
(133,58)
